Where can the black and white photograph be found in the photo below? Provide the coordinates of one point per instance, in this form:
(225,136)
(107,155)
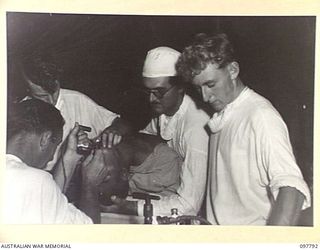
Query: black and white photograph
(109,77)
(181,120)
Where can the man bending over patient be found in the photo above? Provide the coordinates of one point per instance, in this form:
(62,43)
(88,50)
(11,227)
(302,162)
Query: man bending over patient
(31,196)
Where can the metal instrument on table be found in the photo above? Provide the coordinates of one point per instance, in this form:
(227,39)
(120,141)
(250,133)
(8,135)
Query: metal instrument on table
(164,220)
(181,220)
(147,207)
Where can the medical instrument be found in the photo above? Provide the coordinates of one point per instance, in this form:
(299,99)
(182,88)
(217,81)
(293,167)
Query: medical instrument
(85,128)
(86,149)
(147,207)
(181,220)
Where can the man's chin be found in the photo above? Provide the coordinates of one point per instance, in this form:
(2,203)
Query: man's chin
(216,106)
(157,110)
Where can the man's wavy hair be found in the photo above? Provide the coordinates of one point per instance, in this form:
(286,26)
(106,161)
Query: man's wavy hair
(41,69)
(205,49)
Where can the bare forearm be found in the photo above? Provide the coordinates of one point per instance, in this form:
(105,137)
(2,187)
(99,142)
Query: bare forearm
(89,202)
(287,207)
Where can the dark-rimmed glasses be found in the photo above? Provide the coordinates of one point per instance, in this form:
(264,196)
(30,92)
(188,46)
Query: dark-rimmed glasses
(159,93)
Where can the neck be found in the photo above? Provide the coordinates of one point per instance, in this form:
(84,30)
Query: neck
(176,107)
(55,96)
(23,149)
(239,87)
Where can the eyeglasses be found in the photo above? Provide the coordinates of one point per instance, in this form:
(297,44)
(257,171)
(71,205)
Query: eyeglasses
(159,93)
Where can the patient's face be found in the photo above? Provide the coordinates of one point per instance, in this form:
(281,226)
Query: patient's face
(116,182)
(118,187)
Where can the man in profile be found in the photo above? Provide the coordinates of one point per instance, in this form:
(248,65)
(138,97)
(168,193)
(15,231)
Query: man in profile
(253,176)
(41,75)
(31,196)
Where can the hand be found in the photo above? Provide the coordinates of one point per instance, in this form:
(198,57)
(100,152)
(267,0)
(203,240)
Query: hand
(75,138)
(110,137)
(113,134)
(121,206)
(72,138)
(82,138)
(71,145)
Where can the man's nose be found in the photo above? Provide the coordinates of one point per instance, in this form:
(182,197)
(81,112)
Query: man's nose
(205,94)
(152,97)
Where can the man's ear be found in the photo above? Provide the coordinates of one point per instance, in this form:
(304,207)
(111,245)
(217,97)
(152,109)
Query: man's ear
(234,70)
(45,139)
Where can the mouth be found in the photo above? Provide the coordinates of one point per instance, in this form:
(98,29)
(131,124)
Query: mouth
(212,101)
(155,104)
(216,105)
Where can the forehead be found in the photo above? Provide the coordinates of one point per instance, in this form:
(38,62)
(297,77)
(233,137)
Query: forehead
(156,82)
(210,73)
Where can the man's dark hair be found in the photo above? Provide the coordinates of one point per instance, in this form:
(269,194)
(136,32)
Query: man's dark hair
(41,69)
(33,116)
(205,49)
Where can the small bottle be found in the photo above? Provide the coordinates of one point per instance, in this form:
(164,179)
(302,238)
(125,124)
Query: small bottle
(174,214)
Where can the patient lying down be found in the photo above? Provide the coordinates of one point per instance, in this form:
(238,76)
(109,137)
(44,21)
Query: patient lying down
(140,163)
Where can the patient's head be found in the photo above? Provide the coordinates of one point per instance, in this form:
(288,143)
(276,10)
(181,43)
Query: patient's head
(132,151)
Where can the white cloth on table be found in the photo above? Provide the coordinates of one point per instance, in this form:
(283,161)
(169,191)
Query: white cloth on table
(185,133)
(250,158)
(31,196)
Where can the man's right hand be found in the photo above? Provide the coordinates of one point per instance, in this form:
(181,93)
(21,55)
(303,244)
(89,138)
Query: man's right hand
(75,137)
(67,163)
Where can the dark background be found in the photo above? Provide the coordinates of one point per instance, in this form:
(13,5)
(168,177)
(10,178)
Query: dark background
(102,56)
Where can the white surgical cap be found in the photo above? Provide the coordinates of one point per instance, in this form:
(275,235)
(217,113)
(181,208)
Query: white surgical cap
(160,61)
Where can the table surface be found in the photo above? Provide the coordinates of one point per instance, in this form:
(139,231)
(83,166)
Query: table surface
(112,218)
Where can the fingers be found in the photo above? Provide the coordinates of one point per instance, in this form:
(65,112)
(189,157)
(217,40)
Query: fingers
(104,139)
(83,139)
(72,138)
(117,139)
(75,130)
(82,135)
(110,139)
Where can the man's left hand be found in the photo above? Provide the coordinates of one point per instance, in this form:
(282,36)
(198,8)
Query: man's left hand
(113,134)
(110,137)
